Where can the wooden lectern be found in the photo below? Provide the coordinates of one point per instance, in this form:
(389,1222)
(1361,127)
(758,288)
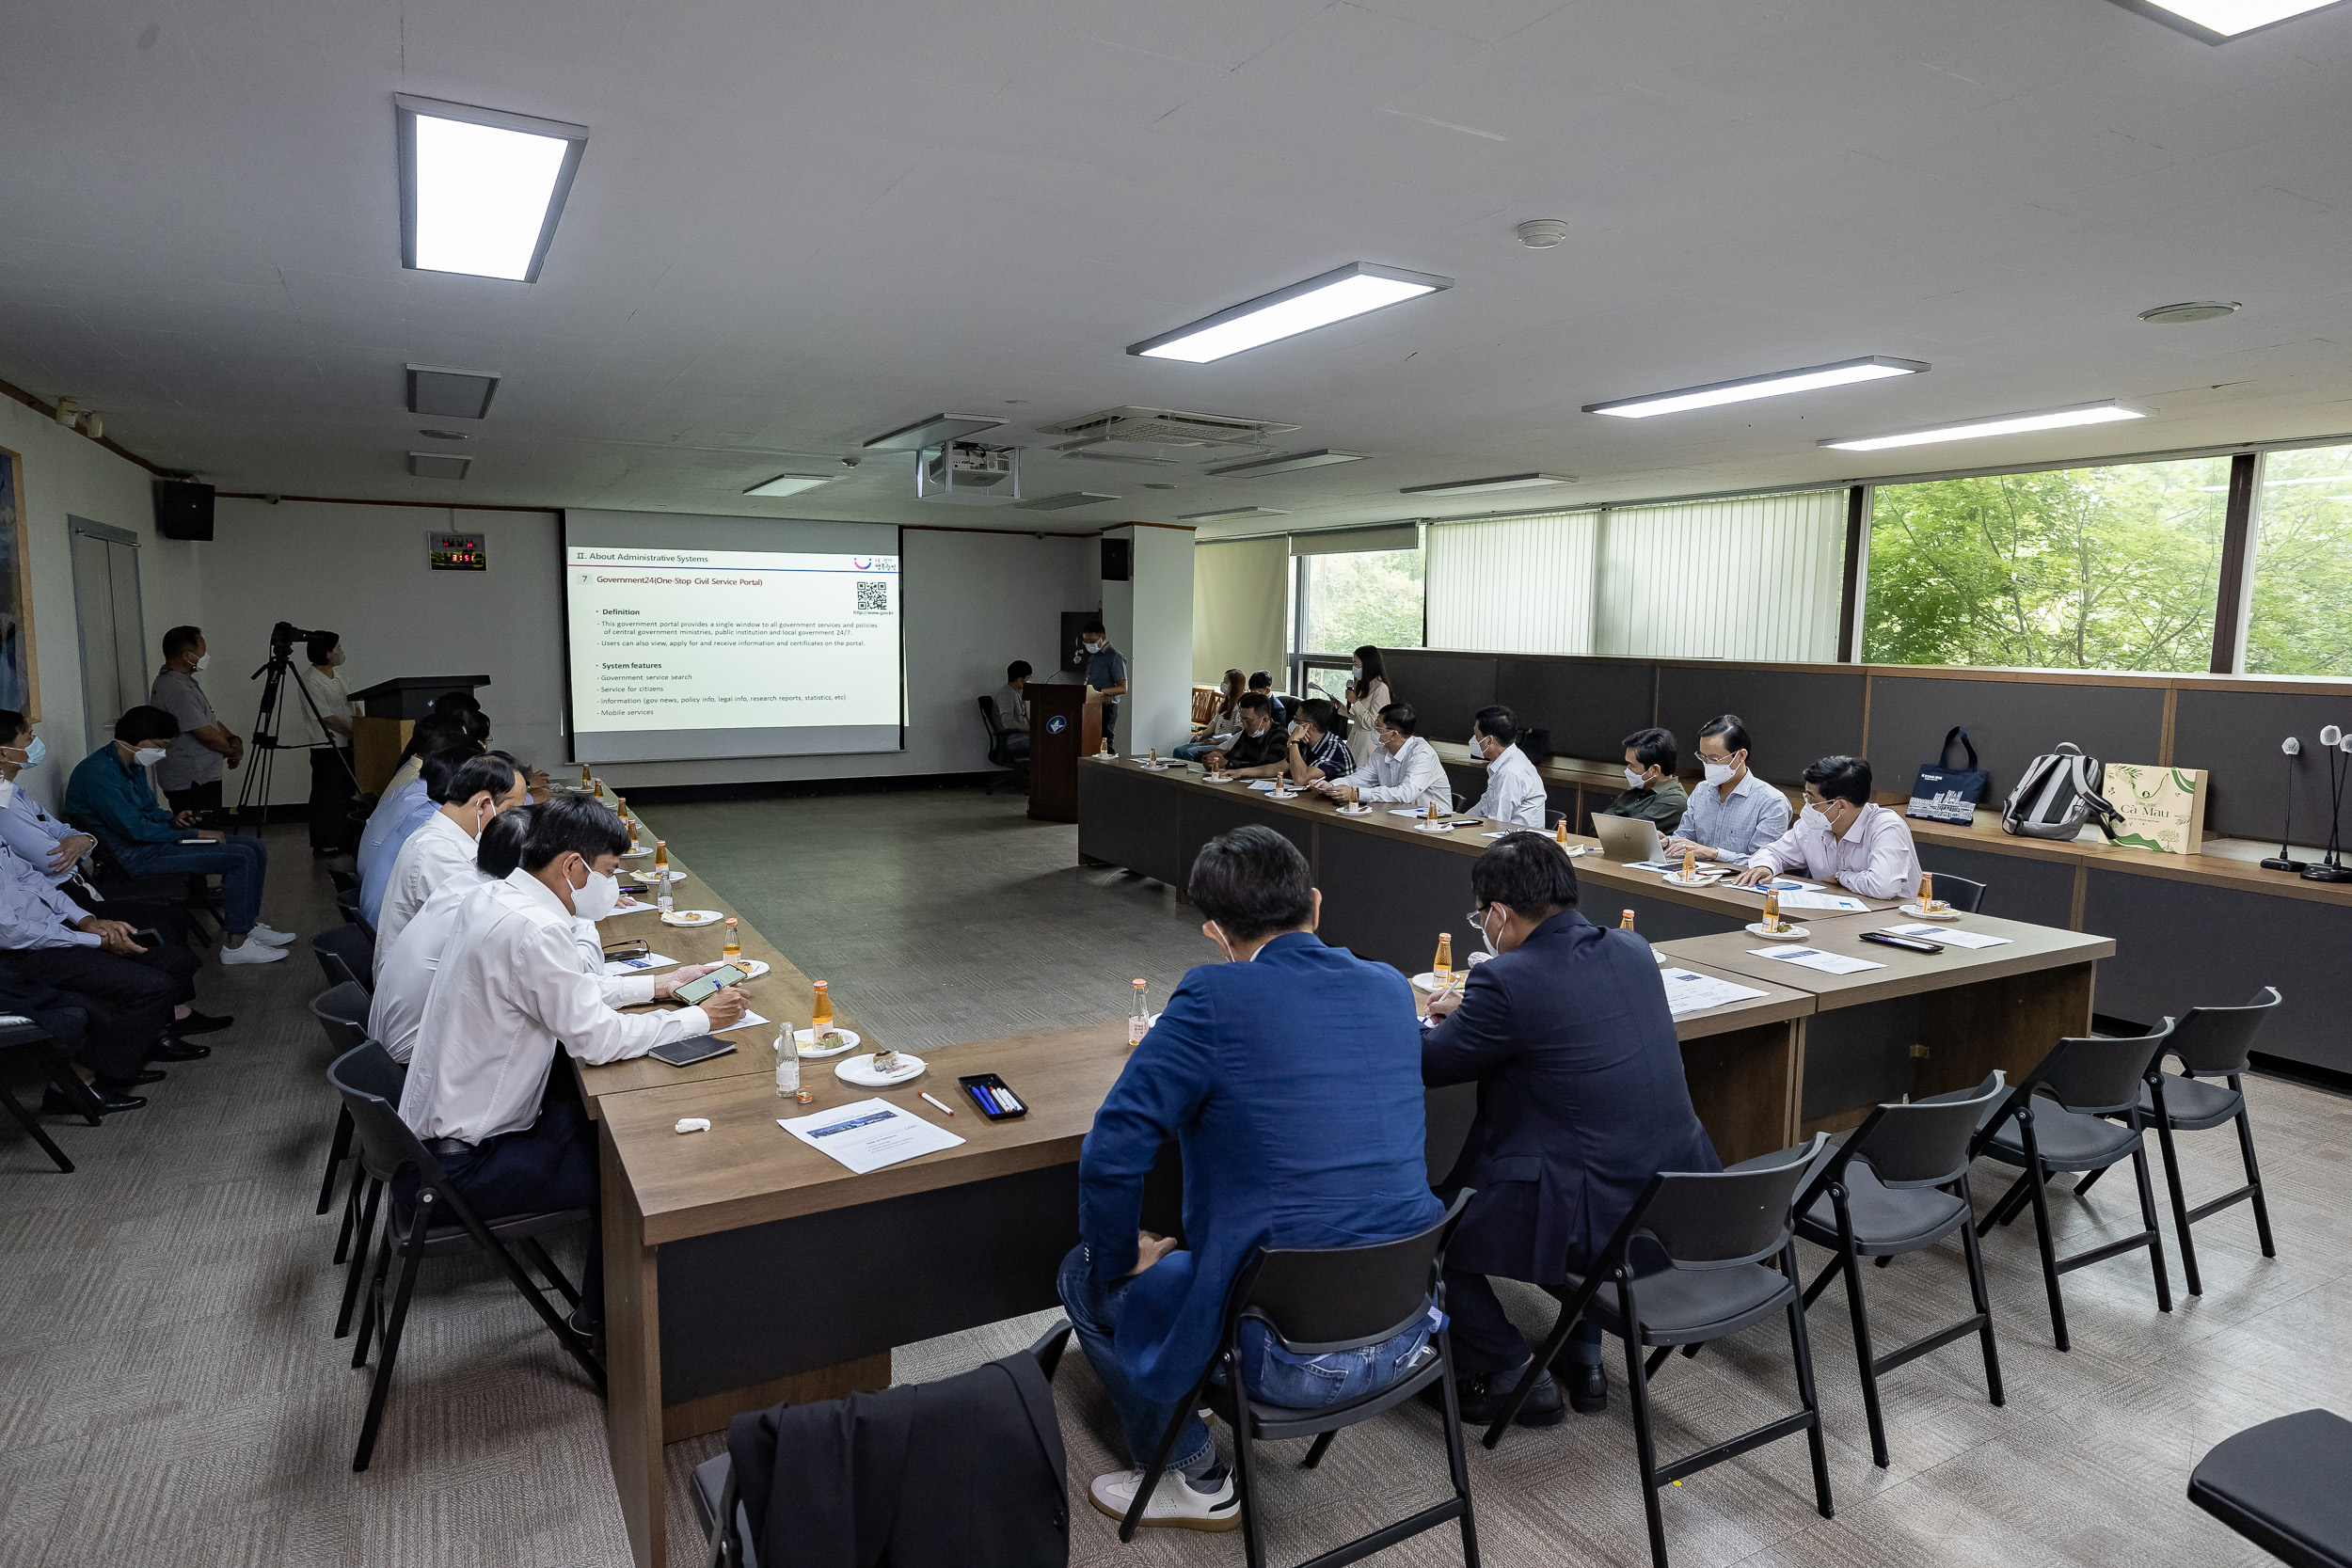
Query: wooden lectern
(1065,723)
(389,711)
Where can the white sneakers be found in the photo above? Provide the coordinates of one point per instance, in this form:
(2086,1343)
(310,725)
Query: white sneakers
(275,938)
(253,950)
(1176,1503)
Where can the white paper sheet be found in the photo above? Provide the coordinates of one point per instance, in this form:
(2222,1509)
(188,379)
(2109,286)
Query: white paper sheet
(749,1020)
(1949,937)
(1405,811)
(1841,903)
(1687,991)
(616,968)
(867,1135)
(629,906)
(1778,884)
(1813,957)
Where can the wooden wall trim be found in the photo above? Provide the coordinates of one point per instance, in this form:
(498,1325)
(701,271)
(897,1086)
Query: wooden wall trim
(2163,737)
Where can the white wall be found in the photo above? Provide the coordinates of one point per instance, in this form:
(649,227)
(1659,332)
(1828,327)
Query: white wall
(1150,620)
(69,474)
(974,602)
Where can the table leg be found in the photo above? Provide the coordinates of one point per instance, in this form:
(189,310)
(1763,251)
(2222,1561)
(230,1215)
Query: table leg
(1746,1085)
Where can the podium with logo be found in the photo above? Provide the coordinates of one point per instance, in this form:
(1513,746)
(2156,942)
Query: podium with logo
(1065,723)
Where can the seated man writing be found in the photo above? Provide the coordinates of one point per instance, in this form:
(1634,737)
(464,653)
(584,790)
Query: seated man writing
(1404,770)
(1581,1100)
(1261,749)
(1841,837)
(1283,1146)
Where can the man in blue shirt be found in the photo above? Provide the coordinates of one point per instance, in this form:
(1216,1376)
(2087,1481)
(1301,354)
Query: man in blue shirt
(410,811)
(110,792)
(1107,675)
(1284,1146)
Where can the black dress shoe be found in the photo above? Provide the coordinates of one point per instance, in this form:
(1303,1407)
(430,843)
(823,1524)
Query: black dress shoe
(170,1049)
(197,1023)
(1588,1389)
(1479,1404)
(54,1103)
(145,1075)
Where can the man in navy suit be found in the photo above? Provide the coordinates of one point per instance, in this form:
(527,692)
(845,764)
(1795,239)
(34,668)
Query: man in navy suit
(1291,1138)
(1581,1102)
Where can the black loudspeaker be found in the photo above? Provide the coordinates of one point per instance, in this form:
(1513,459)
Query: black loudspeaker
(183,509)
(1118,556)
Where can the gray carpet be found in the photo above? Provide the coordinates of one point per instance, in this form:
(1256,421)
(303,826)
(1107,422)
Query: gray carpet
(170,1394)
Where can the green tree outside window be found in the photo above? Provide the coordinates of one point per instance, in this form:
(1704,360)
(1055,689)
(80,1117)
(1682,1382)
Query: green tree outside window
(2302,604)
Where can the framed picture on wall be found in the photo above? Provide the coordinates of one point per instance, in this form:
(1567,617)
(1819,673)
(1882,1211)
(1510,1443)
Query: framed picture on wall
(20,674)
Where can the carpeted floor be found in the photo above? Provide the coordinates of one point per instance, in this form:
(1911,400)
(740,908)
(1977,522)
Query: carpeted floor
(170,1394)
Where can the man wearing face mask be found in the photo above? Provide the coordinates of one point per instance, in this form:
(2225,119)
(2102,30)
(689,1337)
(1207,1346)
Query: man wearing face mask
(1106,674)
(1841,837)
(190,774)
(1653,793)
(1282,1148)
(1515,791)
(509,993)
(1404,770)
(38,838)
(328,733)
(470,791)
(1261,749)
(1733,814)
(109,791)
(1581,1100)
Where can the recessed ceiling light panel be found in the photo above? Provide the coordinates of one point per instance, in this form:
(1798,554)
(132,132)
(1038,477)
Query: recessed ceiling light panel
(1353,290)
(1063,502)
(1290,462)
(789,484)
(1477,486)
(1231,512)
(439,392)
(1872,367)
(2105,412)
(932,430)
(2194,310)
(2219,21)
(438,464)
(481,189)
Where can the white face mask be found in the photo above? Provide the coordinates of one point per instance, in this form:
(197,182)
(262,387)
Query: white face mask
(203,662)
(1488,937)
(1357,671)
(147,756)
(1635,778)
(1720,772)
(1226,946)
(334,659)
(598,897)
(1812,816)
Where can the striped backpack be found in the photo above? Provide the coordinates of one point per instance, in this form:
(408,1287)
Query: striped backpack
(2059,791)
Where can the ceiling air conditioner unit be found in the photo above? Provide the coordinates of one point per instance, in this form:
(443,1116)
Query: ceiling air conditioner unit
(1162,427)
(971,472)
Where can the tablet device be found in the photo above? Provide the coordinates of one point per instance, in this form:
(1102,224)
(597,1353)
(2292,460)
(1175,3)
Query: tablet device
(1626,838)
(697,992)
(687,1053)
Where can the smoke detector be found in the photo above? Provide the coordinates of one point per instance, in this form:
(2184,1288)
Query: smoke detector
(1543,233)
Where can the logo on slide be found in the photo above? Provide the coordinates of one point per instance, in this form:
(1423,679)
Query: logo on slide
(1058,723)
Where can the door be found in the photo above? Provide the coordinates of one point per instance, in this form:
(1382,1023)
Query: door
(107,614)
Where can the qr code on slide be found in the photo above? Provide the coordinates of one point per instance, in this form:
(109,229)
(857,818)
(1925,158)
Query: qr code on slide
(873,598)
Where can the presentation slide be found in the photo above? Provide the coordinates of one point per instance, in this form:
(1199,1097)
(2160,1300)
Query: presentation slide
(731,637)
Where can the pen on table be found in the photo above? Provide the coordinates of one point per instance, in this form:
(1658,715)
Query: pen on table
(926,1094)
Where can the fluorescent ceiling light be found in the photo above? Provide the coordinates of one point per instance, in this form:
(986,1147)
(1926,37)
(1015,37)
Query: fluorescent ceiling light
(1501,482)
(480,190)
(2105,412)
(439,392)
(932,430)
(1290,462)
(1063,502)
(438,464)
(789,485)
(1231,512)
(1872,367)
(2219,21)
(1332,297)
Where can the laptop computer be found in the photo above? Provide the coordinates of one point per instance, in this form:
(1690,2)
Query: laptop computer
(1626,838)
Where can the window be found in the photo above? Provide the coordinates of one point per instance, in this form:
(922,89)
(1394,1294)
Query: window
(2302,601)
(2106,568)
(1353,598)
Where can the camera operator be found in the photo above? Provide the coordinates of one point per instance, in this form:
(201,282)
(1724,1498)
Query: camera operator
(190,774)
(326,724)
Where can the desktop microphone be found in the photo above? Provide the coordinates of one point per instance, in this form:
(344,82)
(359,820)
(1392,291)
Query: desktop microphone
(2332,868)
(2284,860)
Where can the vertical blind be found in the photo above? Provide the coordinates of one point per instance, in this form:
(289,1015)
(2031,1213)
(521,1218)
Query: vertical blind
(1513,585)
(1240,590)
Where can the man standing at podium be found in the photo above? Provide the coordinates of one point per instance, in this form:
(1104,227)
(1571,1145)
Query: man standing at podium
(1107,676)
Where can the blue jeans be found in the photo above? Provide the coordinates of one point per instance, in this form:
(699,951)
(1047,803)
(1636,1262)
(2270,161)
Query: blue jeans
(1193,751)
(240,860)
(1274,1375)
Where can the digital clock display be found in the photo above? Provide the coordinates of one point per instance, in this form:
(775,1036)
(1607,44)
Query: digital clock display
(459,552)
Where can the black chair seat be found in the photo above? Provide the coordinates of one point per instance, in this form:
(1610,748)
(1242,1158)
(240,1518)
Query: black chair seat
(1887,1221)
(2194,1104)
(2069,1140)
(710,1487)
(1276,1422)
(442,1240)
(2281,1486)
(1681,1306)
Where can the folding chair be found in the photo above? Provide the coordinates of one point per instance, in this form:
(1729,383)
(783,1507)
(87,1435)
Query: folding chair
(346,952)
(19,1032)
(2211,1043)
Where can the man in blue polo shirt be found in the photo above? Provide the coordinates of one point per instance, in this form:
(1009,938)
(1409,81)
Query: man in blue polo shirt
(1107,676)
(1283,1146)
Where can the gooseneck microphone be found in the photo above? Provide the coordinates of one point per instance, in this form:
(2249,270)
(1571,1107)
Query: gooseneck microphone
(2332,869)
(2284,860)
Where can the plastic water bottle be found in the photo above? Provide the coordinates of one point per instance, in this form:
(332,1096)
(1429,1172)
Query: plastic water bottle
(1140,1021)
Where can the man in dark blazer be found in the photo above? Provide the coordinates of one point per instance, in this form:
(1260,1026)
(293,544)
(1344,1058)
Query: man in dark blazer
(1581,1100)
(1287,1142)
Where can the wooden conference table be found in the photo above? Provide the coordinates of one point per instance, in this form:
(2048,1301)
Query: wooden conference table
(742,1267)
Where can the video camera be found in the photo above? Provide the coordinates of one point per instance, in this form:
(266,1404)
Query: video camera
(283,635)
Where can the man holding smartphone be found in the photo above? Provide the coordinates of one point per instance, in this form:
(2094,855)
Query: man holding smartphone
(510,992)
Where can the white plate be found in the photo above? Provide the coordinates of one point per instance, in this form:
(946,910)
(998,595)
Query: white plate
(1359,810)
(1427,980)
(1217,778)
(1946,912)
(1433,827)
(860,1070)
(674,874)
(638,854)
(752,968)
(690,918)
(805,1039)
(1794,933)
(1159,766)
(1700,880)
(1284,794)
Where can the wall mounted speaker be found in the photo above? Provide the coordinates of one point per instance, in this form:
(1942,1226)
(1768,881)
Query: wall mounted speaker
(1118,557)
(183,509)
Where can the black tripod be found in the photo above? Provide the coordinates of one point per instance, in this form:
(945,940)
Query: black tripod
(266,721)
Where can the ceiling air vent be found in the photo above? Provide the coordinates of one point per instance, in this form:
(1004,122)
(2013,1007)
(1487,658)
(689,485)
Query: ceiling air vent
(1162,427)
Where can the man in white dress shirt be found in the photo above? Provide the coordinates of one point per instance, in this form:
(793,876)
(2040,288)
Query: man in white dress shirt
(1841,836)
(510,992)
(1515,791)
(470,792)
(1404,770)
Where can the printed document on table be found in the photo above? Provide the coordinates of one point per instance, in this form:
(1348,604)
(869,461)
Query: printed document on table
(1837,902)
(629,906)
(749,1020)
(616,968)
(1687,991)
(867,1135)
(1813,957)
(1950,938)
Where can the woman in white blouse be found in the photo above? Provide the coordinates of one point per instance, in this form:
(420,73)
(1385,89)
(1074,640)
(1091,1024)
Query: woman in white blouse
(1367,694)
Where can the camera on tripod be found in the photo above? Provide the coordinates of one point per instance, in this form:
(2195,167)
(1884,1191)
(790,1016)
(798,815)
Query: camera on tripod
(284,635)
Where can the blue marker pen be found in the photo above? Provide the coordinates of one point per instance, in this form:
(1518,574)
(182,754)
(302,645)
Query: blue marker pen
(980,1092)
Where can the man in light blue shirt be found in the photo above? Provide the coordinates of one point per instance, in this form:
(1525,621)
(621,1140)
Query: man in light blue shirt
(38,838)
(406,814)
(1733,813)
(1515,791)
(1107,675)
